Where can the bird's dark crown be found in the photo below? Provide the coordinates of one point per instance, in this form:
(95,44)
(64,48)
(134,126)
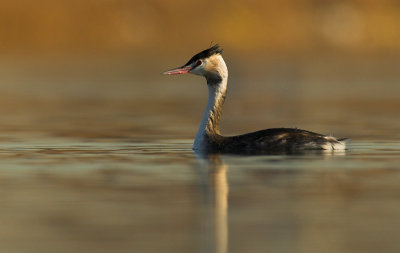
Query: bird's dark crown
(205,54)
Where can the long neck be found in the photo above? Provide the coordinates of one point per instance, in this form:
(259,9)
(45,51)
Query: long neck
(209,127)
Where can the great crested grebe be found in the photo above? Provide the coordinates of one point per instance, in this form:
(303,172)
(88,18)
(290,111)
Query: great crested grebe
(210,64)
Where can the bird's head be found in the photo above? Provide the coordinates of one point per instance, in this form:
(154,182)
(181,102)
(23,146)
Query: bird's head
(208,63)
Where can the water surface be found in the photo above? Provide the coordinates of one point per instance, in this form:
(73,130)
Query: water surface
(104,164)
(62,195)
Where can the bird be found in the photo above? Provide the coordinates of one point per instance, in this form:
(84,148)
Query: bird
(210,64)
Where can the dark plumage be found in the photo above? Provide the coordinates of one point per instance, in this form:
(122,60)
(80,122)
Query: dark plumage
(270,141)
(205,54)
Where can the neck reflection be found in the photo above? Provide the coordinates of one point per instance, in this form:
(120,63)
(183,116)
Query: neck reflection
(217,190)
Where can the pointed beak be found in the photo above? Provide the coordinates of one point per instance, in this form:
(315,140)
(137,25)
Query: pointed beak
(177,71)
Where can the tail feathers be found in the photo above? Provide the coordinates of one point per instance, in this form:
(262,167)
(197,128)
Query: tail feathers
(335,144)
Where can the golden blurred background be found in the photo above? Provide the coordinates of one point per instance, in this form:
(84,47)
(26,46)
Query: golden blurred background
(77,64)
(120,26)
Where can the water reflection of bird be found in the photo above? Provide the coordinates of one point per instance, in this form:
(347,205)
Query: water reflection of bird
(210,64)
(217,190)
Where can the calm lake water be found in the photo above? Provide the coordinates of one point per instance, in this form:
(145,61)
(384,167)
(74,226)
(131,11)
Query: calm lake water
(90,165)
(157,196)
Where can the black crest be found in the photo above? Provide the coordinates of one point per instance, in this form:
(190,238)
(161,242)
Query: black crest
(205,54)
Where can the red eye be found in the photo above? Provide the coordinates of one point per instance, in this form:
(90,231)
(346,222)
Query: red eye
(198,63)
